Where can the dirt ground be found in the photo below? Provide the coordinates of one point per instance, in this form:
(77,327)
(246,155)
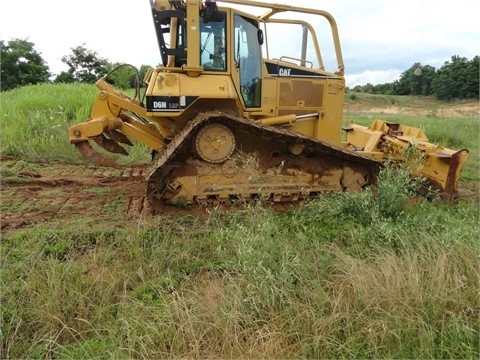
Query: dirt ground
(64,193)
(470,109)
(55,194)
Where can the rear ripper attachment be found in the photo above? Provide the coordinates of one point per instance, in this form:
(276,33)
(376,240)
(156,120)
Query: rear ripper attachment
(111,124)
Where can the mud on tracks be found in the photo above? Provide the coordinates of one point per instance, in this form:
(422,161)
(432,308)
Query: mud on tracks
(62,193)
(56,195)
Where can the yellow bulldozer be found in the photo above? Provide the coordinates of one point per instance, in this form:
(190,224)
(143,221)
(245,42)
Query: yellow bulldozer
(227,121)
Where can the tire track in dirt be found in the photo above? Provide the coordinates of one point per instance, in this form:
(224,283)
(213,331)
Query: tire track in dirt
(63,193)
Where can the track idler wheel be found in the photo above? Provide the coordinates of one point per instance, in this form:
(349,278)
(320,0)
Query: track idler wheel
(215,143)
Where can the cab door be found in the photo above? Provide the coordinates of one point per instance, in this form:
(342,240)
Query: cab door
(247,43)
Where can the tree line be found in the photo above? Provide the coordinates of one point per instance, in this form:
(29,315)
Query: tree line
(458,78)
(22,65)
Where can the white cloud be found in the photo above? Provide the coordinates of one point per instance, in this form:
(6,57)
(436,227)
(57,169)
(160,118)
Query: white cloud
(372,77)
(378,36)
(121,31)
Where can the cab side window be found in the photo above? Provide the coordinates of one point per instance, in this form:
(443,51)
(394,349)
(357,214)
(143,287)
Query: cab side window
(212,45)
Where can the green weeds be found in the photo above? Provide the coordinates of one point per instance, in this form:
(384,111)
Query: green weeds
(349,275)
(35,121)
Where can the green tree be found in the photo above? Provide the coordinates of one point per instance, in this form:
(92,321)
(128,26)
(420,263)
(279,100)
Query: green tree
(386,88)
(367,88)
(472,81)
(143,71)
(457,79)
(65,77)
(21,64)
(120,74)
(417,80)
(84,66)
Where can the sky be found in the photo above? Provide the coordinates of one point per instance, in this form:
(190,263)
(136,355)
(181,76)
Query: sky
(380,39)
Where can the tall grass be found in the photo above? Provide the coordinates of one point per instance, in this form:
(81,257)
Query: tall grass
(324,281)
(35,120)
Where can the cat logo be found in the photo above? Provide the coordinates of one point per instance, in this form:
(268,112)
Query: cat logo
(284,72)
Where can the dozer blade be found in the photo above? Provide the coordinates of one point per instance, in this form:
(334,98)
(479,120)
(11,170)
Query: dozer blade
(445,168)
(109,145)
(95,157)
(118,137)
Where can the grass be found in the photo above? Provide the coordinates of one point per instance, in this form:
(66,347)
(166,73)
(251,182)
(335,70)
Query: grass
(379,274)
(310,283)
(35,120)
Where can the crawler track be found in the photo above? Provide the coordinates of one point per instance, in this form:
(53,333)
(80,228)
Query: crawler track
(207,164)
(57,195)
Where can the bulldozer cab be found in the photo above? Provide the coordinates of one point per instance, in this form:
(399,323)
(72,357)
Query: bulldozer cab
(212,38)
(242,62)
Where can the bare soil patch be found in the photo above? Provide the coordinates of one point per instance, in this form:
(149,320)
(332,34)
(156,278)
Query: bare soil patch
(60,194)
(437,109)
(63,192)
